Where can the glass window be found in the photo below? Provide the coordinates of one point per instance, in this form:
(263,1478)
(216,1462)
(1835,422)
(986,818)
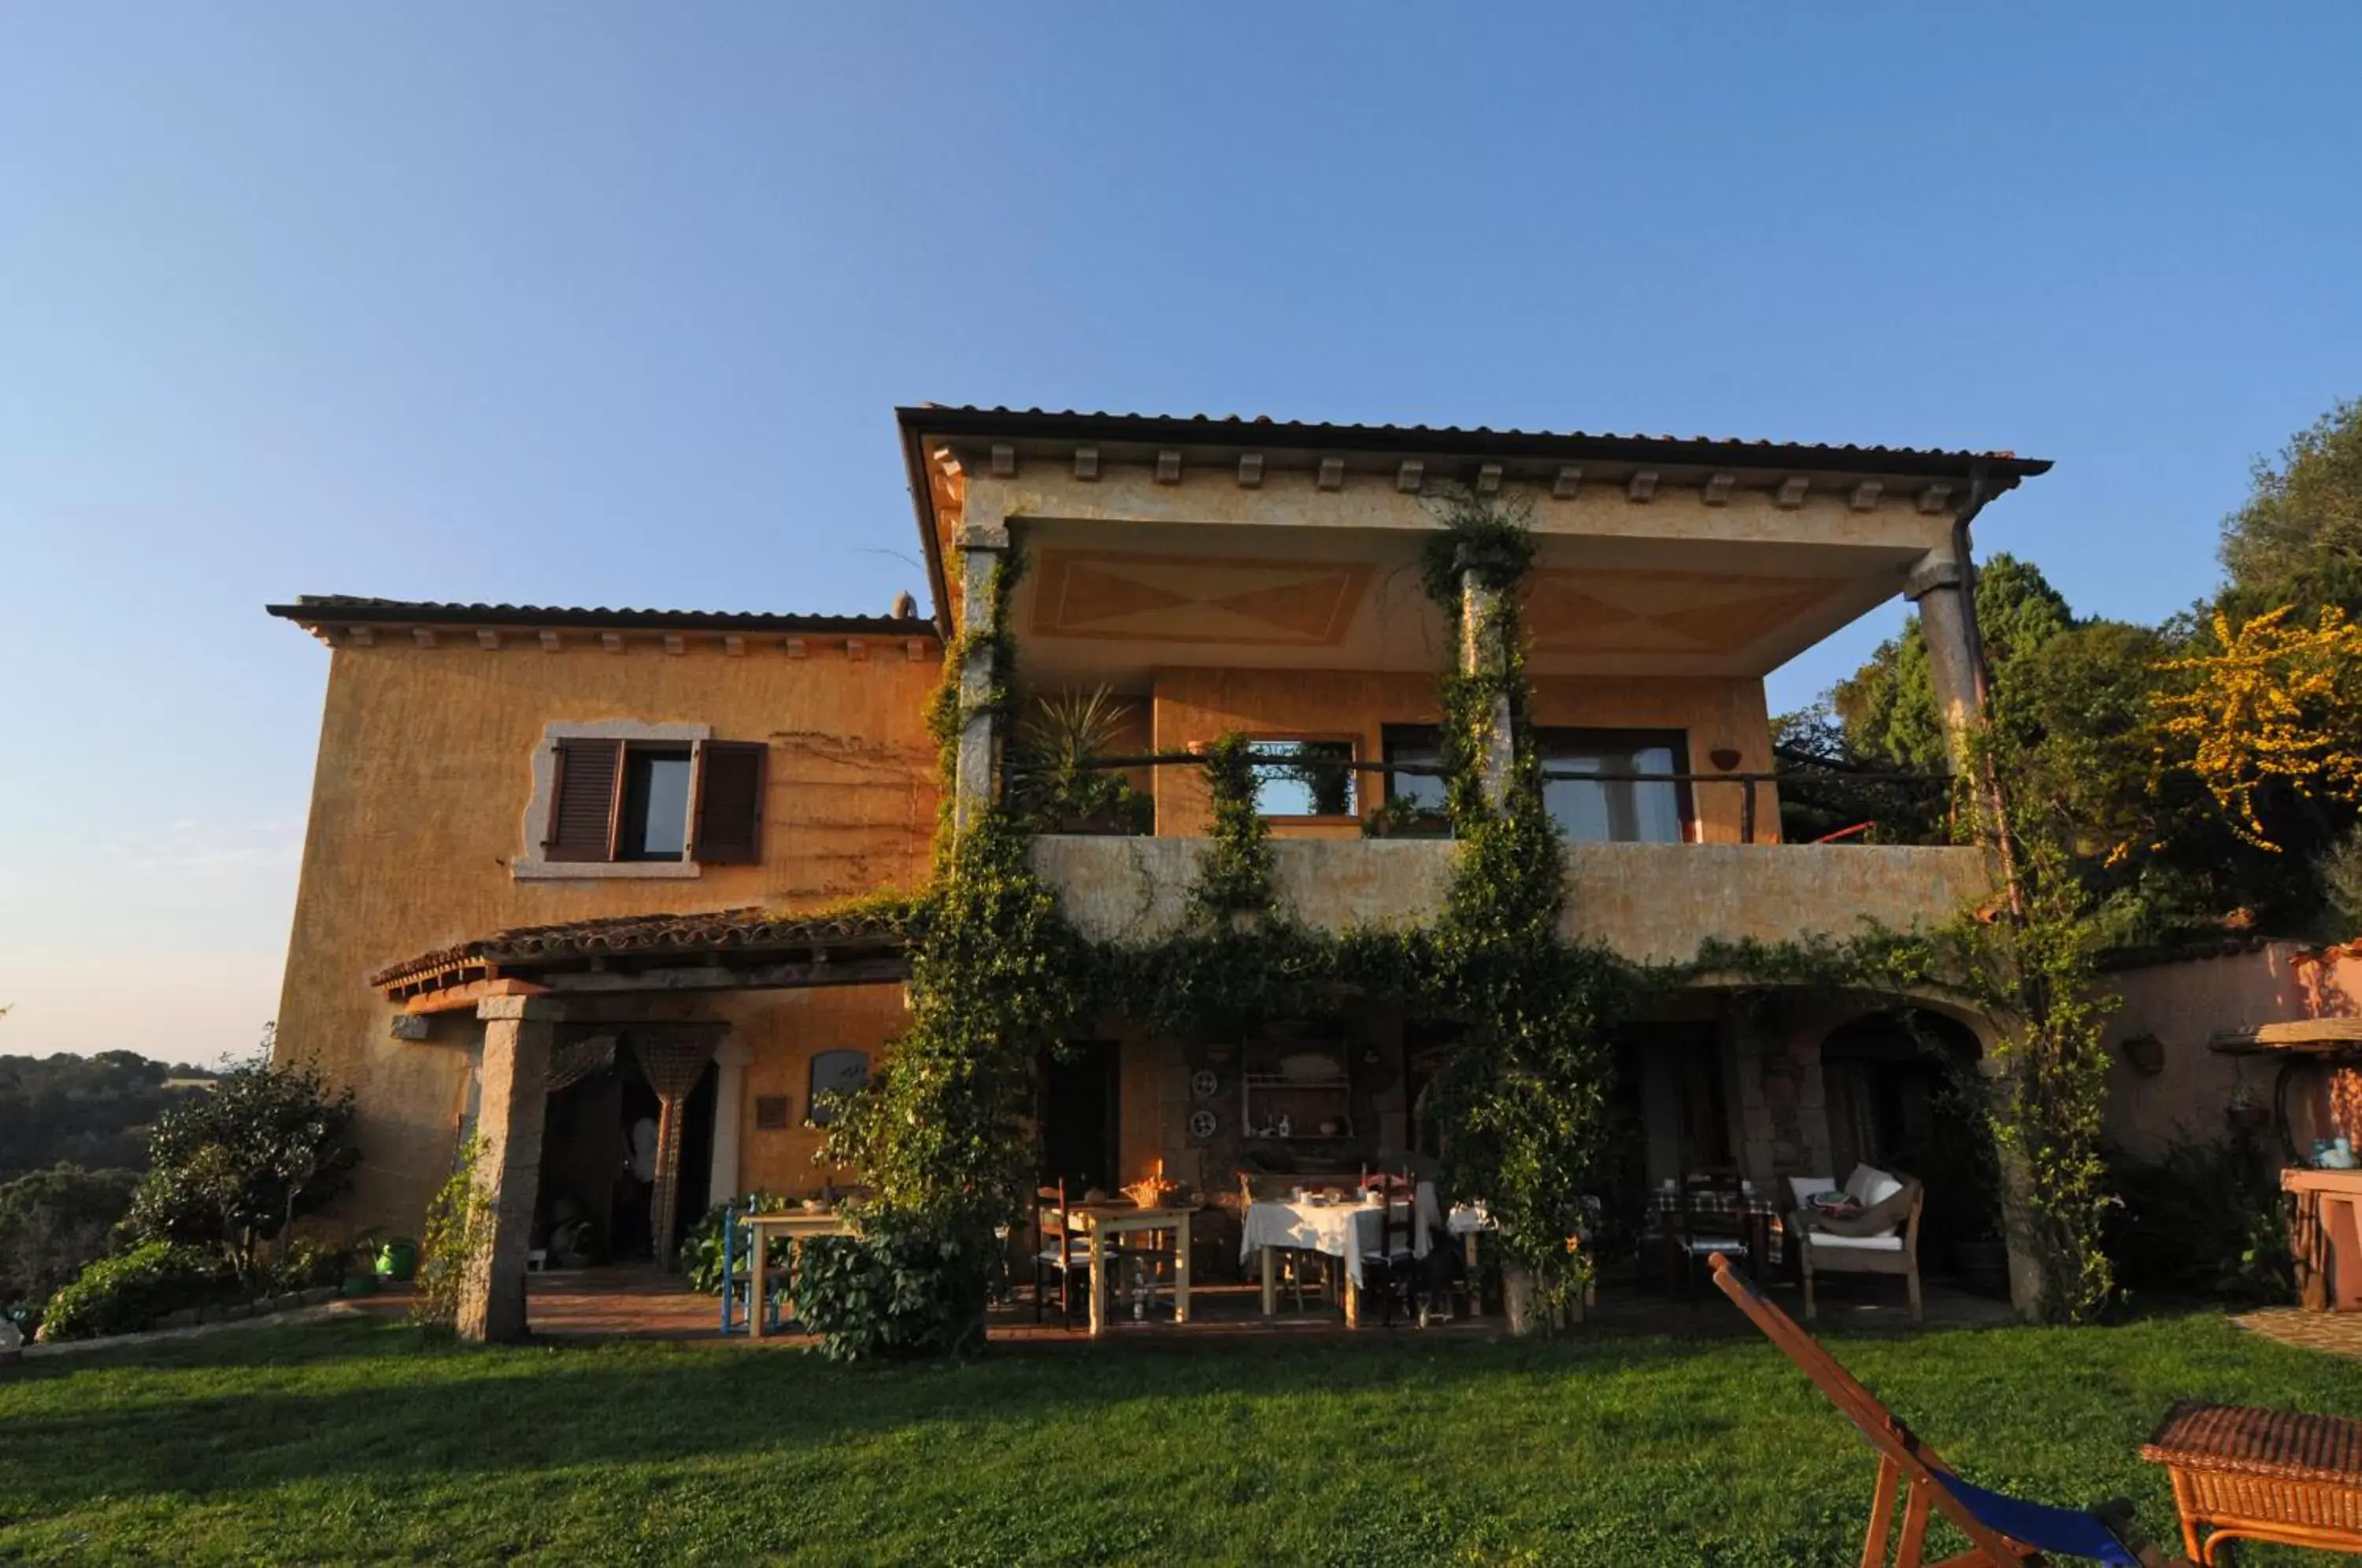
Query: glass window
(1421,743)
(655,804)
(835,1073)
(1303,778)
(1615,810)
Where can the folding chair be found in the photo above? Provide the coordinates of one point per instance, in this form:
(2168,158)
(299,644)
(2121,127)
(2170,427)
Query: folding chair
(2004,1532)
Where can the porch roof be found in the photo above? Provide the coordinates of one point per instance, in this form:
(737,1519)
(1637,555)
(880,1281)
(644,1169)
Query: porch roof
(747,947)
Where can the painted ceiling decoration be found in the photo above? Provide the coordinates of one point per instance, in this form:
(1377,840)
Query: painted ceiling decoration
(1197,598)
(1573,611)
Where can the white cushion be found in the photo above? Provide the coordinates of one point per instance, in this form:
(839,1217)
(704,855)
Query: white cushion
(1803,1187)
(1890,1242)
(1872,1185)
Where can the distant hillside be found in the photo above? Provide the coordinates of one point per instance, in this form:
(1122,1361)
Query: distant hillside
(92,1111)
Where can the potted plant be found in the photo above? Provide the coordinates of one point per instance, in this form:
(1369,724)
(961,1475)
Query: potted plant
(1058,778)
(1401,817)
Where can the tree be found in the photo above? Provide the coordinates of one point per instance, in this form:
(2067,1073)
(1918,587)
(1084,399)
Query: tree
(51,1224)
(2298,539)
(233,1170)
(2275,702)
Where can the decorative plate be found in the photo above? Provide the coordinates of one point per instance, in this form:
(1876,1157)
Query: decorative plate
(1202,1123)
(1203,1083)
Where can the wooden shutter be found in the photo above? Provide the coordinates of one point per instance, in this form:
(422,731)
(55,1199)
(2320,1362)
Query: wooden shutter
(583,801)
(729,823)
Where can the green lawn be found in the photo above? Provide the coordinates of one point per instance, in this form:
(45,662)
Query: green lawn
(354,1440)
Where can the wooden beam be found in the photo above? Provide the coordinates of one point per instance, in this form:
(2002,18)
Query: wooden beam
(797,974)
(1086,462)
(1643,485)
(451,999)
(1792,491)
(1249,470)
(1488,478)
(1332,474)
(1569,483)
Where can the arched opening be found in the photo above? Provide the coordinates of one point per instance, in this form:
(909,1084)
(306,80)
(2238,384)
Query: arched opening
(1904,1095)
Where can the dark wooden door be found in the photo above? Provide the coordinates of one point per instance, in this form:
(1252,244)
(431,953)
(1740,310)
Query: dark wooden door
(1080,1108)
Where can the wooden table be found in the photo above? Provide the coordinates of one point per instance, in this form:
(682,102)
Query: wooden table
(1103,1223)
(2328,1237)
(2261,1476)
(791,1225)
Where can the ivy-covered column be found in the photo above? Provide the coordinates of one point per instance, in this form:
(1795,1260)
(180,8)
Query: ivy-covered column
(1484,655)
(978,650)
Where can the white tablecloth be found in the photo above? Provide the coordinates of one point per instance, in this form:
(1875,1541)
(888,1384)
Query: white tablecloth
(1340,1230)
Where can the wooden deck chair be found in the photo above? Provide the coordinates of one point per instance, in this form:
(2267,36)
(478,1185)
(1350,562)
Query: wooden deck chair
(2003,1531)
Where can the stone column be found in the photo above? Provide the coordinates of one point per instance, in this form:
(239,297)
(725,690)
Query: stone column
(1480,653)
(1938,586)
(730,1063)
(514,1090)
(977,741)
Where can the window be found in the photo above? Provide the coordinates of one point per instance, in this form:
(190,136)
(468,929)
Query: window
(835,1073)
(655,823)
(1421,743)
(1303,778)
(1616,810)
(621,801)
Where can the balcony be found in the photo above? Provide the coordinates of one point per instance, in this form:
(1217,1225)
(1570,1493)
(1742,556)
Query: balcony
(1652,902)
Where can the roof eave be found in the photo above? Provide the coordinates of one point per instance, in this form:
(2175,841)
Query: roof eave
(1038,425)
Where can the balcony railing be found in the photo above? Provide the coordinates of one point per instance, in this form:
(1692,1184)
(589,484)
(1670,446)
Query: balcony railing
(1917,796)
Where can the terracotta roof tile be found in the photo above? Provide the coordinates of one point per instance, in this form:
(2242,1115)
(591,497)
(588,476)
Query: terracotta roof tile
(715,930)
(1263,427)
(346,609)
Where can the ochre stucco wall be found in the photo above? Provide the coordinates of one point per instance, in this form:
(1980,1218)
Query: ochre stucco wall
(1194,706)
(418,803)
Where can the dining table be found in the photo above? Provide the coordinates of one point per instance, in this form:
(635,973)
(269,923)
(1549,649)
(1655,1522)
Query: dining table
(1342,1227)
(791,1225)
(1106,1224)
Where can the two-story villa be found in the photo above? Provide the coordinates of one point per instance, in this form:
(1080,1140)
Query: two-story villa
(598,860)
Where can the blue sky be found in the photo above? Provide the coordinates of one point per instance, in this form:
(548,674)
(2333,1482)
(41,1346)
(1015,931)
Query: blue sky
(591,304)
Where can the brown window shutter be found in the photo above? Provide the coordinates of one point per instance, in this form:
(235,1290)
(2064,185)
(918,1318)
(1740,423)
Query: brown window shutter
(729,779)
(582,806)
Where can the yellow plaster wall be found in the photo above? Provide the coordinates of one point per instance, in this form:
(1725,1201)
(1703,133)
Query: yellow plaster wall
(785,1030)
(423,777)
(1194,706)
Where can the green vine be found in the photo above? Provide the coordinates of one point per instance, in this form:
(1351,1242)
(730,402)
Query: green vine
(1000,979)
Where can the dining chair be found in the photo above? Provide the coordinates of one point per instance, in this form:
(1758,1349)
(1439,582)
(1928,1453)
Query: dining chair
(1063,1252)
(1708,1216)
(1392,1268)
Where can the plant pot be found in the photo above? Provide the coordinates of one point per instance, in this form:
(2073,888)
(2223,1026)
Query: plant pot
(1983,1266)
(361,1284)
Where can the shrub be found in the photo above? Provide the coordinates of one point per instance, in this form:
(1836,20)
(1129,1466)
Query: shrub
(910,1285)
(2201,1219)
(457,1223)
(123,1295)
(53,1223)
(235,1166)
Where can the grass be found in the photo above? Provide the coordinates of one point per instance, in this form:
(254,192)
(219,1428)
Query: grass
(352,1440)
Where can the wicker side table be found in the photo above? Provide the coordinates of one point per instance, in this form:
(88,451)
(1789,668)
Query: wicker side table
(2262,1475)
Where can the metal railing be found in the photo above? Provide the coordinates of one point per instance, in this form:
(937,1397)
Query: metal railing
(1748,781)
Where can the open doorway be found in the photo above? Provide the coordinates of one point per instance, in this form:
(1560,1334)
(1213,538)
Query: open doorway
(1904,1095)
(1081,1112)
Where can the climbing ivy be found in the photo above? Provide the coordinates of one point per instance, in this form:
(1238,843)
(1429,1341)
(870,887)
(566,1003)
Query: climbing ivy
(1000,979)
